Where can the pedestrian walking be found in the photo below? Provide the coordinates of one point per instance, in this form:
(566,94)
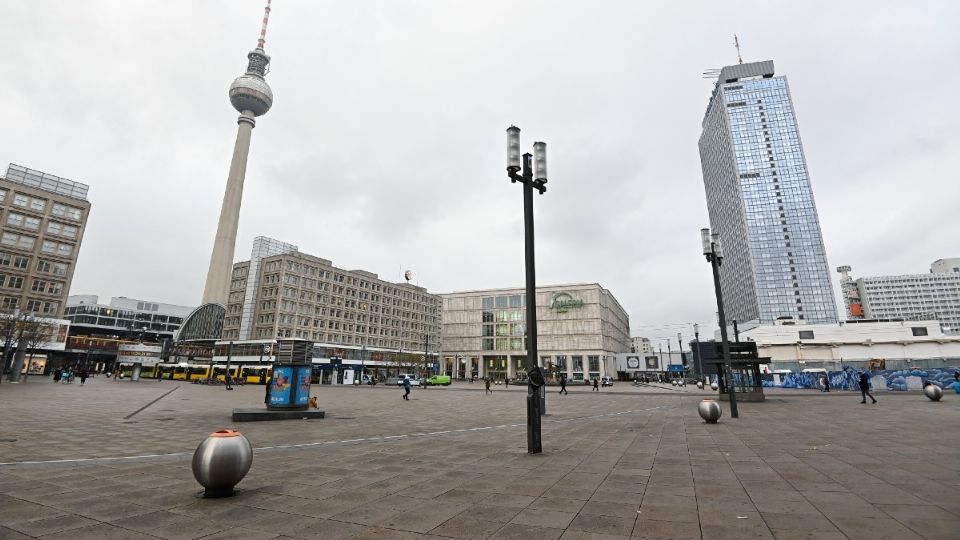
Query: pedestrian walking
(228,381)
(83,376)
(865,387)
(596,385)
(57,373)
(406,388)
(563,385)
(266,394)
(826,383)
(486,383)
(506,382)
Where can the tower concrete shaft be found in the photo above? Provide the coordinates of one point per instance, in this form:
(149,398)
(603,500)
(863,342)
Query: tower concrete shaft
(217,288)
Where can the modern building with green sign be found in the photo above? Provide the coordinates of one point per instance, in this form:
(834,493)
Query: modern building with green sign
(580,327)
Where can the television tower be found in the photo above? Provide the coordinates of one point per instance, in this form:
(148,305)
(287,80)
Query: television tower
(251,96)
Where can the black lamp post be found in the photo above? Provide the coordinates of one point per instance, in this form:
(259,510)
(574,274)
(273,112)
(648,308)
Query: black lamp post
(531,178)
(696,337)
(713,251)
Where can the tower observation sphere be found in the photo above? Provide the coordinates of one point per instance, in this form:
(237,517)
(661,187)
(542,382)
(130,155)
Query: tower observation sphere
(250,91)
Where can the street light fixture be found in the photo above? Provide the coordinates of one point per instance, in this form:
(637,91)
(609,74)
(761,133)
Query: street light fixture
(531,179)
(713,251)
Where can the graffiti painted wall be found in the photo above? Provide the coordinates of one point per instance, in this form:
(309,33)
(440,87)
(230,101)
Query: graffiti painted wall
(892,379)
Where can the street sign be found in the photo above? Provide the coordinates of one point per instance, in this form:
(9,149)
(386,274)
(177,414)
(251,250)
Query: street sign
(675,368)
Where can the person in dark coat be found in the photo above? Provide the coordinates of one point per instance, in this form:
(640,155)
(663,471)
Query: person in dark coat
(486,384)
(57,374)
(406,388)
(83,376)
(865,387)
(596,385)
(563,385)
(266,395)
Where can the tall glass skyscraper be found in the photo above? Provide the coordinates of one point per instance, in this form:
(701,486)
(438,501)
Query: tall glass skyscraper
(761,203)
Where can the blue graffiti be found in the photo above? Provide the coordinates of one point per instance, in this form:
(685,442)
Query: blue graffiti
(849,379)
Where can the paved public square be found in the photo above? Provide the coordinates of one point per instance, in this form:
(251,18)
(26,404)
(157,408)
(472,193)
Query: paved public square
(92,462)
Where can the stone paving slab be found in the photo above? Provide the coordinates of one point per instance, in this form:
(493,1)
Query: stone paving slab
(452,463)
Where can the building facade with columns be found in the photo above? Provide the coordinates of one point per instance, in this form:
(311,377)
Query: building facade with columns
(580,330)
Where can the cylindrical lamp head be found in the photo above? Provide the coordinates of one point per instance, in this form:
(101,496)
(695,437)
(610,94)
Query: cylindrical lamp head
(540,161)
(696,328)
(717,248)
(513,148)
(705,240)
(679,336)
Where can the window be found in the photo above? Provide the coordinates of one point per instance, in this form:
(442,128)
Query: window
(15,282)
(577,363)
(15,219)
(51,307)
(9,303)
(38,286)
(34,305)
(919,330)
(21,200)
(3,195)
(5,259)
(69,212)
(61,229)
(17,240)
(21,262)
(806,334)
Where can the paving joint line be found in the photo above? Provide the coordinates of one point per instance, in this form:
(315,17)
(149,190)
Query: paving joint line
(134,413)
(319,444)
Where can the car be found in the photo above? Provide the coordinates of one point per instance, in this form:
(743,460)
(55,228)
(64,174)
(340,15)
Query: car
(414,381)
(606,381)
(438,380)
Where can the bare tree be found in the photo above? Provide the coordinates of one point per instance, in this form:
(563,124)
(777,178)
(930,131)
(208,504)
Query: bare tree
(8,335)
(35,334)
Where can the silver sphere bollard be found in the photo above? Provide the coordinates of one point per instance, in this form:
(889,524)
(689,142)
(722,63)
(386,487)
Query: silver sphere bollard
(933,392)
(221,461)
(700,385)
(709,410)
(673,382)
(713,386)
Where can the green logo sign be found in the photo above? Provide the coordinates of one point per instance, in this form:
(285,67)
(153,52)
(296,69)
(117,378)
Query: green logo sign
(562,302)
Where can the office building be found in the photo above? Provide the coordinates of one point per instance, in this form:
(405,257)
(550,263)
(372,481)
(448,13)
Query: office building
(641,345)
(909,297)
(281,292)
(580,330)
(98,331)
(44,218)
(761,202)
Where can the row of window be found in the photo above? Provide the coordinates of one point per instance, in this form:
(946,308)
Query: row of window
(9,303)
(40,205)
(25,242)
(39,285)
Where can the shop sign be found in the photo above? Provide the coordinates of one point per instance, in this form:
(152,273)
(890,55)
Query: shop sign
(563,302)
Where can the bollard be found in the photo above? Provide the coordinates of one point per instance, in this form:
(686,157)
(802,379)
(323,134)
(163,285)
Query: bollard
(709,410)
(933,392)
(700,385)
(713,386)
(221,461)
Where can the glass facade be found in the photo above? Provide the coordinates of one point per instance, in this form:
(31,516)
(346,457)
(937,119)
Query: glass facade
(761,202)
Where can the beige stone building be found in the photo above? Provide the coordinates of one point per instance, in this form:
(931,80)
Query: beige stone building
(580,329)
(281,292)
(42,225)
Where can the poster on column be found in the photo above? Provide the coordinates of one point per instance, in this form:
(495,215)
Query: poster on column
(282,380)
(303,388)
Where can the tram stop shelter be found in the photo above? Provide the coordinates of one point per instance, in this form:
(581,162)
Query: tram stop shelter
(745,365)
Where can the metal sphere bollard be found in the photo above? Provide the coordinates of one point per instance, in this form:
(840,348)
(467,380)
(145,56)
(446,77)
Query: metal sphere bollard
(221,461)
(933,392)
(700,385)
(673,382)
(713,386)
(709,410)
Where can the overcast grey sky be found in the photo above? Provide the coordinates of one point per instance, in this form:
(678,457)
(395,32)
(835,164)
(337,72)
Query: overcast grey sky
(385,146)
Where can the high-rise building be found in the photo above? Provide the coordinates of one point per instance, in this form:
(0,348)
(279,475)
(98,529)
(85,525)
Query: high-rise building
(908,297)
(281,292)
(251,96)
(761,203)
(44,217)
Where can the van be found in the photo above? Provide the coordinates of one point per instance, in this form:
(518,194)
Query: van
(437,380)
(606,381)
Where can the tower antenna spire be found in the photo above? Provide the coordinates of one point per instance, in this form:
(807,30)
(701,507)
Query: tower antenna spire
(736,41)
(263,29)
